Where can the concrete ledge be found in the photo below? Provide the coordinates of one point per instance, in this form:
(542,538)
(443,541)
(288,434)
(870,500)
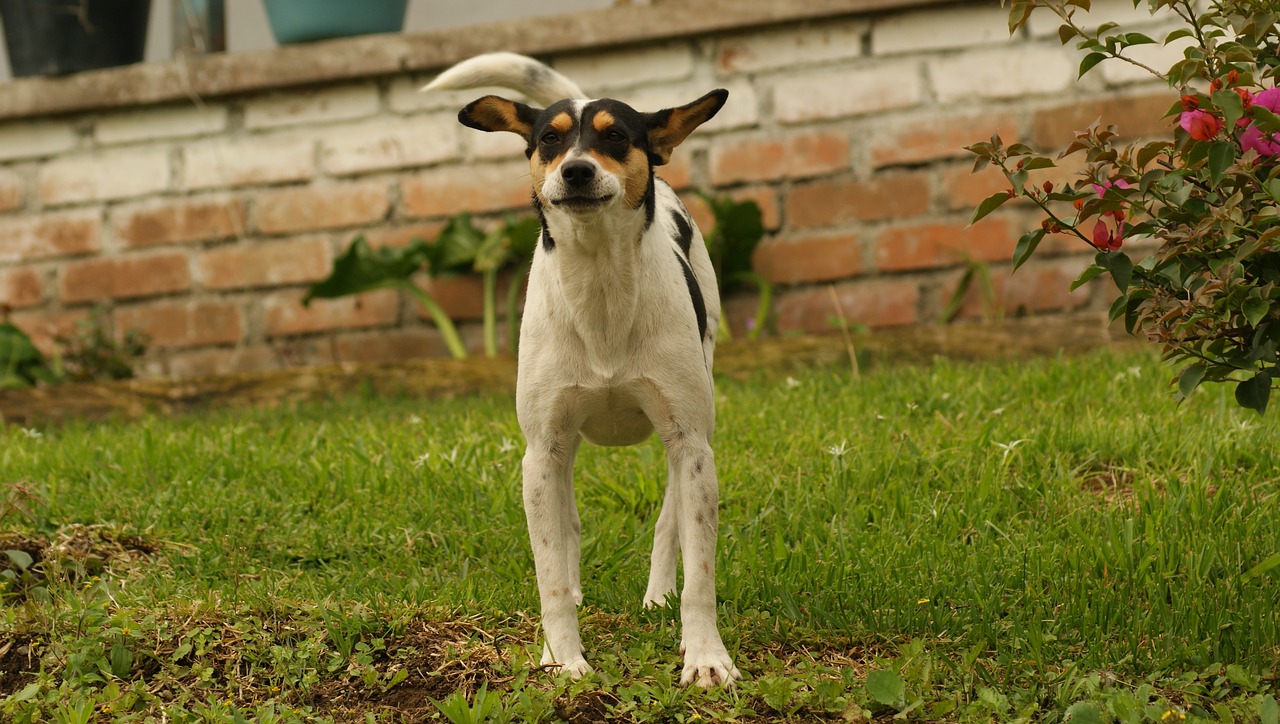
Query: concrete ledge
(379,55)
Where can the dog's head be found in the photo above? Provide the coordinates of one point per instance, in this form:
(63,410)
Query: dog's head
(589,155)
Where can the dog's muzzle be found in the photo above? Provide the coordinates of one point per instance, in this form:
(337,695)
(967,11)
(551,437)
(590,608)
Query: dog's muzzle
(581,187)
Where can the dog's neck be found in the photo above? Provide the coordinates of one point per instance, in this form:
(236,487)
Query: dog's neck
(596,260)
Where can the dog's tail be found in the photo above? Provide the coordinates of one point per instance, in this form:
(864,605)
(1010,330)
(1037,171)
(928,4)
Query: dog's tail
(508,70)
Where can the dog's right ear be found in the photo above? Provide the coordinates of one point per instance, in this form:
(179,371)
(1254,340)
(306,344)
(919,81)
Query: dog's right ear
(493,113)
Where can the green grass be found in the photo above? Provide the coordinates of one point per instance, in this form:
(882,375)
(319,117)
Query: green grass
(1051,540)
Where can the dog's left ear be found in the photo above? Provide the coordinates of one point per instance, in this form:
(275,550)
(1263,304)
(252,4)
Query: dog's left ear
(668,128)
(493,113)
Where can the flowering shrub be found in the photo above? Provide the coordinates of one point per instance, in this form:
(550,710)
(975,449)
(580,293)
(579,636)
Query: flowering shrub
(1206,197)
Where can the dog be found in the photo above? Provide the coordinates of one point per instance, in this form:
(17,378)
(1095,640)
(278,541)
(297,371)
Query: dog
(617,338)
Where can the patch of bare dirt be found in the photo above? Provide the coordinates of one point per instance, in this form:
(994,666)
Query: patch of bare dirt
(1112,485)
(441,658)
(18,664)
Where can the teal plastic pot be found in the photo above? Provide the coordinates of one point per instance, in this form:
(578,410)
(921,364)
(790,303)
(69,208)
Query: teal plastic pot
(298,21)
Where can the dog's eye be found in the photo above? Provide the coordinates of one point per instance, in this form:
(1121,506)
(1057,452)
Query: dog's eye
(550,137)
(615,136)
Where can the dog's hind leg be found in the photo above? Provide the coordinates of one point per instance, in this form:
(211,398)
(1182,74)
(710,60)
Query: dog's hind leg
(548,500)
(666,545)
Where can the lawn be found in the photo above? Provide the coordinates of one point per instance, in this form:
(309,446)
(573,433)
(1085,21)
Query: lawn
(1045,540)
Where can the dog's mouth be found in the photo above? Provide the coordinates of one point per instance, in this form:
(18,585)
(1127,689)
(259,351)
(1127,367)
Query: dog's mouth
(581,203)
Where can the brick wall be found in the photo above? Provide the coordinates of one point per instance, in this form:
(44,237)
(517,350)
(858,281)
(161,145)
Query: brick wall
(201,223)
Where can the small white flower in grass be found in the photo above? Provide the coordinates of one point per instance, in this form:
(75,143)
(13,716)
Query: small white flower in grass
(421,460)
(415,420)
(1007,448)
(997,411)
(881,417)
(32,433)
(507,445)
(838,451)
(792,382)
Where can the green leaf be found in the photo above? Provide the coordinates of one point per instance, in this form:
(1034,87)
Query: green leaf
(121,661)
(1087,276)
(1267,565)
(1178,35)
(1132,39)
(21,559)
(1254,392)
(739,227)
(1119,265)
(1038,162)
(989,204)
(1221,155)
(1255,309)
(362,269)
(1231,105)
(1027,244)
(1268,711)
(1265,120)
(1190,379)
(1149,152)
(1085,712)
(28,692)
(886,687)
(1089,61)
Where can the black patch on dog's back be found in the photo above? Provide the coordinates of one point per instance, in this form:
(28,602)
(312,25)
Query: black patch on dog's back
(684,230)
(695,293)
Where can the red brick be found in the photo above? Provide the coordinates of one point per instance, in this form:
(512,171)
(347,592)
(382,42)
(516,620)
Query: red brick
(49,235)
(809,257)
(170,324)
(766,158)
(401,236)
(964,189)
(180,221)
(678,173)
(286,316)
(936,244)
(20,287)
(462,297)
(1039,286)
(13,193)
(390,345)
(833,203)
(766,197)
(321,207)
(1133,117)
(123,277)
(937,138)
(447,191)
(45,327)
(873,302)
(210,361)
(266,263)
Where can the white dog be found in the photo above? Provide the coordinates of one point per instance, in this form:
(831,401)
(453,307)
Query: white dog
(618,334)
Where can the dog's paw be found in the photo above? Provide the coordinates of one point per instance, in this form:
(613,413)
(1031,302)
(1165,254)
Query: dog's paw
(577,668)
(710,667)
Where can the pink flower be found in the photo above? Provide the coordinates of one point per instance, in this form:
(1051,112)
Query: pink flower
(1104,239)
(1202,125)
(1118,183)
(1254,139)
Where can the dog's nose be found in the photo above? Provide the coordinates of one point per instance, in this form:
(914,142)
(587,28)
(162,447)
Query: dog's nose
(578,173)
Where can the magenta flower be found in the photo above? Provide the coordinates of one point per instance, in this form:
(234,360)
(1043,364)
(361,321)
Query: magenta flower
(1254,139)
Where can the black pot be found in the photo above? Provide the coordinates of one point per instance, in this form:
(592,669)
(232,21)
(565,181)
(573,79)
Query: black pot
(57,37)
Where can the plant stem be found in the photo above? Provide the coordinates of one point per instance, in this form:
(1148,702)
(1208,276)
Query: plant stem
(441,320)
(490,296)
(513,303)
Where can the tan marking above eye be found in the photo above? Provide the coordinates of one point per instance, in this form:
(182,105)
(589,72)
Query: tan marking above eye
(562,123)
(602,121)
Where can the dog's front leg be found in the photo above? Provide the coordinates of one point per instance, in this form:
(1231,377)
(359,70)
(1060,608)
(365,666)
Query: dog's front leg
(548,502)
(706,661)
